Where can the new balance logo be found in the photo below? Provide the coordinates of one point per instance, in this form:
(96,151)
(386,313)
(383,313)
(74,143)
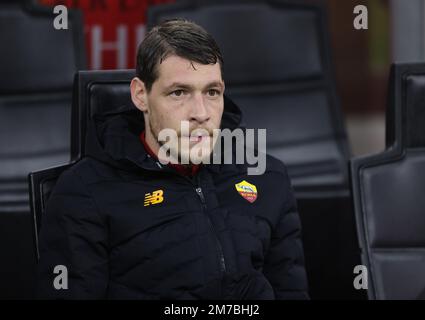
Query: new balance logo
(154,197)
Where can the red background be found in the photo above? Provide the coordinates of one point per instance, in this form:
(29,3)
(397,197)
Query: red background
(109,15)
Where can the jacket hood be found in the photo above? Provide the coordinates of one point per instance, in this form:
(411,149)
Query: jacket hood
(114,137)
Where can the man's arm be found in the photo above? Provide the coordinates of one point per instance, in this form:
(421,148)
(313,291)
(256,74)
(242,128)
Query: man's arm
(75,236)
(284,262)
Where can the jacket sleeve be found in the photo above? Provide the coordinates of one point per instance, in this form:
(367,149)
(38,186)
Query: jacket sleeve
(284,261)
(74,236)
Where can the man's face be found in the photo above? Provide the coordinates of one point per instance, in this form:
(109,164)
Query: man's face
(184,91)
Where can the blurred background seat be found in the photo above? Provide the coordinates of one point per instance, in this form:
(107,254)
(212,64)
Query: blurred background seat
(278,69)
(388,193)
(37,64)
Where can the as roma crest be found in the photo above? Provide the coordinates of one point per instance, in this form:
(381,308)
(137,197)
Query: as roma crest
(247,190)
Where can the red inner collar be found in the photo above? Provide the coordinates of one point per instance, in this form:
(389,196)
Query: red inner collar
(186,170)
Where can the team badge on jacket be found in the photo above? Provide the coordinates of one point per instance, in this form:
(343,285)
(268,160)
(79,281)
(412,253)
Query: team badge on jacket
(247,190)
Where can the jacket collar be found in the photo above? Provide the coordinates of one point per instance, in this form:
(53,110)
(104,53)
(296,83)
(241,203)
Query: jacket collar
(114,137)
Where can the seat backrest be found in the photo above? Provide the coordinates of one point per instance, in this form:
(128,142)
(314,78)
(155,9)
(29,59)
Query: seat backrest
(277,68)
(37,64)
(37,68)
(41,184)
(95,92)
(388,192)
(35,57)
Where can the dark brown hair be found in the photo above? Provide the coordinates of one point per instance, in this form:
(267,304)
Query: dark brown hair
(178,37)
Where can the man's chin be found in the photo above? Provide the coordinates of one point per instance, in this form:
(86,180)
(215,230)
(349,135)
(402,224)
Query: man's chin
(195,156)
(187,150)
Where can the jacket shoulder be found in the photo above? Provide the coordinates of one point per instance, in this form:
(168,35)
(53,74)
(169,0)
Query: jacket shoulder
(276,170)
(275,165)
(86,171)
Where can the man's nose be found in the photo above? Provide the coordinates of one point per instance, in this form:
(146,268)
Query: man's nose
(199,111)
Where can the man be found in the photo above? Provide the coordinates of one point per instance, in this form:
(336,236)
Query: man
(127,226)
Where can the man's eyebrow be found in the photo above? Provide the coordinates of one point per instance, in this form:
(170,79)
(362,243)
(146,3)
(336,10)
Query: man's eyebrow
(215,84)
(178,85)
(187,86)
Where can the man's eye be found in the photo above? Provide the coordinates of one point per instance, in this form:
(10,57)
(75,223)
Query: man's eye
(213,92)
(177,93)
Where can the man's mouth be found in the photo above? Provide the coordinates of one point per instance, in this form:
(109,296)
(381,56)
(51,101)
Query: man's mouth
(196,139)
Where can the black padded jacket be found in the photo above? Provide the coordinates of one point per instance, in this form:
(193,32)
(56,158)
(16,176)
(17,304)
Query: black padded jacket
(126,227)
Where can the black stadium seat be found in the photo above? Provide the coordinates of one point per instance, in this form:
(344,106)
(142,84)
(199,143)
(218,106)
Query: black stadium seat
(388,193)
(95,93)
(37,64)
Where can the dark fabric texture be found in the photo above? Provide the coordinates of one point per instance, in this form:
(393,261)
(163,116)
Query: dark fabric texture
(202,241)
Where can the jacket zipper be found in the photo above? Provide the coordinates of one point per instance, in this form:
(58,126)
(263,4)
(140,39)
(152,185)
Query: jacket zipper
(200,194)
(218,244)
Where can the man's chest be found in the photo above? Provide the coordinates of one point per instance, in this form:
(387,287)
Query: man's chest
(234,213)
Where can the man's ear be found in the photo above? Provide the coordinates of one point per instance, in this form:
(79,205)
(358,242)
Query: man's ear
(139,94)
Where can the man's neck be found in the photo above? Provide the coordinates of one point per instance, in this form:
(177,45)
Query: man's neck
(186,170)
